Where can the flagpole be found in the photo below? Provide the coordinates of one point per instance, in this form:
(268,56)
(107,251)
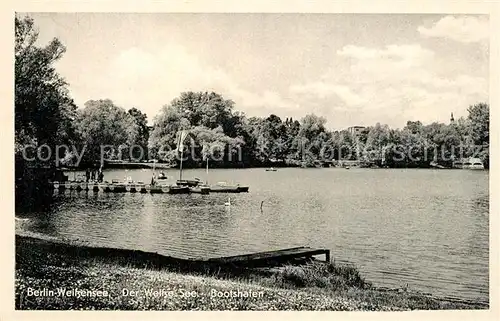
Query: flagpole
(182,156)
(180,147)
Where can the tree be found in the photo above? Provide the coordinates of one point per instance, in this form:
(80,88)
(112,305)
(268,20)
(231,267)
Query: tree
(142,138)
(197,113)
(311,138)
(206,109)
(44,111)
(415,127)
(479,117)
(44,114)
(377,139)
(106,128)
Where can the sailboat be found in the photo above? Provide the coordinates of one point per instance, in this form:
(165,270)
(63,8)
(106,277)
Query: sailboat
(178,188)
(196,185)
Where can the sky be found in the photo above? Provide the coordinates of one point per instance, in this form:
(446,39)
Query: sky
(352,69)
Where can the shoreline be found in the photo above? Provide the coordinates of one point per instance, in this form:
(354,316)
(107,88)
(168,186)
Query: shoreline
(162,166)
(314,286)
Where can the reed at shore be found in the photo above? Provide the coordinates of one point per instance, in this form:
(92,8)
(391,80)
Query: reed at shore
(136,280)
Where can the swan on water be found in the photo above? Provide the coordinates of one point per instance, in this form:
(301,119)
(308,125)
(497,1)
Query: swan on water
(228,203)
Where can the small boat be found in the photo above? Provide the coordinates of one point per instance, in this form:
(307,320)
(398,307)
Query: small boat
(174,189)
(200,189)
(468,163)
(155,189)
(117,187)
(141,187)
(74,185)
(436,165)
(347,167)
(93,187)
(130,187)
(162,176)
(189,182)
(223,187)
(243,189)
(272,169)
(104,187)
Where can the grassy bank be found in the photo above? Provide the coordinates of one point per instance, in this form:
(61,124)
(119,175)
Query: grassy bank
(47,264)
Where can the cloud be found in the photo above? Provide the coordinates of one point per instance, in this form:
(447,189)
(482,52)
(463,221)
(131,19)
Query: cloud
(391,84)
(395,83)
(465,29)
(323,90)
(150,80)
(412,53)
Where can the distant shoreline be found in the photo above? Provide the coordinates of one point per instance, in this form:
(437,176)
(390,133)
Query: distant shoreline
(137,165)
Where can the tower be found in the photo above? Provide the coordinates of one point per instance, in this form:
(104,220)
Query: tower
(452,120)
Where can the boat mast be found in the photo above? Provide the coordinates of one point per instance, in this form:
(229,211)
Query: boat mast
(207,169)
(182,156)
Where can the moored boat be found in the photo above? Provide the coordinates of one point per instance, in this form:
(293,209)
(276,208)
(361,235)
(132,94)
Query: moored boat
(117,187)
(223,187)
(93,187)
(434,164)
(141,187)
(189,182)
(175,189)
(155,190)
(105,187)
(200,189)
(243,189)
(468,163)
(130,187)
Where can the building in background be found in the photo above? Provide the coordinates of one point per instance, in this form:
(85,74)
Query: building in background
(355,130)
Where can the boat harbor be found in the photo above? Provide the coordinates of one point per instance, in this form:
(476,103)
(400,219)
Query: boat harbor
(140,187)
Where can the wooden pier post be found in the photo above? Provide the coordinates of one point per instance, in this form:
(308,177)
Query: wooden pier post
(327,256)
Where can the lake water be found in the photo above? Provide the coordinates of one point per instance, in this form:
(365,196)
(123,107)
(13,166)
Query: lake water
(427,228)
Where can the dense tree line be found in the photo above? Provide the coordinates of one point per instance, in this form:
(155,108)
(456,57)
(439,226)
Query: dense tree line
(46,115)
(210,120)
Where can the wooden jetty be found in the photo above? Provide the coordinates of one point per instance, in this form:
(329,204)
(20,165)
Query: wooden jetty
(116,187)
(270,258)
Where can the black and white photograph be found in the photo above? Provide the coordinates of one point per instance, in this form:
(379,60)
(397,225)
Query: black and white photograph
(264,161)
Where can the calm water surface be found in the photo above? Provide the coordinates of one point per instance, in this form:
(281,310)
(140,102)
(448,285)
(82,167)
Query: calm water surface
(427,228)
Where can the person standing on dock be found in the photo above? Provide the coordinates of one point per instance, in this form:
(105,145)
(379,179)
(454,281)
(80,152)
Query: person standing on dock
(100,176)
(153,180)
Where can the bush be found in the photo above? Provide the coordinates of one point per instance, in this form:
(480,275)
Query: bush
(323,275)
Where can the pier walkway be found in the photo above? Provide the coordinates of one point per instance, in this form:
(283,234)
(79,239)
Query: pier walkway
(269,258)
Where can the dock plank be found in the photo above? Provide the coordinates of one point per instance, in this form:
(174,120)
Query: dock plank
(277,255)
